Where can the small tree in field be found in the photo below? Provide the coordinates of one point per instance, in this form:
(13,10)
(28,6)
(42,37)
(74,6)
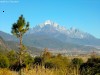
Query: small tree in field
(19,29)
(76,62)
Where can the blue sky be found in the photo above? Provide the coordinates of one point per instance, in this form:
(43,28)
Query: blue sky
(81,14)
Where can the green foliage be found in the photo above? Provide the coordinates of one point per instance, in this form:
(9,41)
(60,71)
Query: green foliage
(91,67)
(93,60)
(56,62)
(4,62)
(12,56)
(28,59)
(49,65)
(20,27)
(38,60)
(77,62)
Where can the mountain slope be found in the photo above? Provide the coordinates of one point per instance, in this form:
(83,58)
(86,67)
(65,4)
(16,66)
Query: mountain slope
(9,42)
(3,45)
(45,41)
(7,37)
(51,35)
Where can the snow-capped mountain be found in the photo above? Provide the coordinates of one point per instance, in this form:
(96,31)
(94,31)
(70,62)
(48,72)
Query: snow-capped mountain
(52,35)
(47,26)
(52,27)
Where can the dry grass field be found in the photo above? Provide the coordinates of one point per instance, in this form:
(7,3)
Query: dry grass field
(38,71)
(42,71)
(33,72)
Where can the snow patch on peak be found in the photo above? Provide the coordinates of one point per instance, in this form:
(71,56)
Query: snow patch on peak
(48,22)
(55,25)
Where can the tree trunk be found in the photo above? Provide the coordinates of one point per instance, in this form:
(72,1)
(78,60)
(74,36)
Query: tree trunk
(20,55)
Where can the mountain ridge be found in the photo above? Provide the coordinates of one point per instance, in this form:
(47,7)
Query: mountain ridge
(53,31)
(53,36)
(50,26)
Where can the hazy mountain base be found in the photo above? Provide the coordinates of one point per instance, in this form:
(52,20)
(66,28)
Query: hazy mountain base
(53,43)
(40,41)
(71,49)
(6,46)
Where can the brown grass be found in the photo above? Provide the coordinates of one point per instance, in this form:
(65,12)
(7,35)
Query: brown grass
(38,71)
(7,72)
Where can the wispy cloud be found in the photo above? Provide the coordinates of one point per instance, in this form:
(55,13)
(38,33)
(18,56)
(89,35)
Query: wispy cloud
(9,1)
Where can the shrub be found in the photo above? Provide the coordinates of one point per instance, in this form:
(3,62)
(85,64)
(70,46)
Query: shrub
(38,60)
(91,67)
(93,60)
(4,62)
(57,62)
(49,65)
(77,62)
